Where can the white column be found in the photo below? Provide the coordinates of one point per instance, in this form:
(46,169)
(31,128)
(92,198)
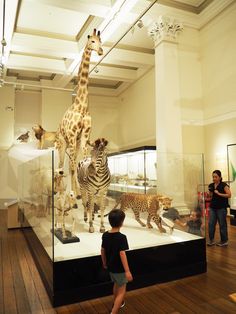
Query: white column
(170,177)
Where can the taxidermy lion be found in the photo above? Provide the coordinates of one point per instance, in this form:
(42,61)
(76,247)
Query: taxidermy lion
(42,135)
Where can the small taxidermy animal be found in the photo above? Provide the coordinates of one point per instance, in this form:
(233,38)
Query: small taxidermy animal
(42,135)
(23,137)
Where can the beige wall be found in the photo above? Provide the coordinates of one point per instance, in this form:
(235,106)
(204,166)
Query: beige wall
(217,137)
(7,99)
(27,110)
(218,48)
(136,125)
(54,105)
(105,119)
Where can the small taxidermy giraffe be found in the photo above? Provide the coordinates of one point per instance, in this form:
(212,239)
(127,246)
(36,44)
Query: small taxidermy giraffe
(74,130)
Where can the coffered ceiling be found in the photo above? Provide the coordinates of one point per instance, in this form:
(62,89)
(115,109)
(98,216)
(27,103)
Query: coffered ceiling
(45,39)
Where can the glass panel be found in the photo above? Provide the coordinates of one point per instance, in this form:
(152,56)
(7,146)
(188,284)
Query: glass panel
(35,192)
(181,178)
(231,150)
(133,172)
(150,169)
(179,206)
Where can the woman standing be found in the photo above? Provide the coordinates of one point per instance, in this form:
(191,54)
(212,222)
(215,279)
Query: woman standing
(219,193)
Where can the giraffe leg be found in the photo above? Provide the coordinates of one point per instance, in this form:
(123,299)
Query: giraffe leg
(61,147)
(73,167)
(85,135)
(149,221)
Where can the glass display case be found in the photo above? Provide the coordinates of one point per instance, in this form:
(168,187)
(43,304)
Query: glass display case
(72,270)
(133,171)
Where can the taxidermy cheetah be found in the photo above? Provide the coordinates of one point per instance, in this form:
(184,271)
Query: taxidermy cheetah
(142,203)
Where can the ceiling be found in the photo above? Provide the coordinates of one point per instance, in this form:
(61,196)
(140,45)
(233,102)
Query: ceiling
(45,39)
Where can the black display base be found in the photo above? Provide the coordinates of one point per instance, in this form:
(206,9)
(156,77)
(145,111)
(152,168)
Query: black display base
(81,279)
(69,237)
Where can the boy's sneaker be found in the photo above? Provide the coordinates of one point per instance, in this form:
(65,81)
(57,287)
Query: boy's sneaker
(222,243)
(122,304)
(211,243)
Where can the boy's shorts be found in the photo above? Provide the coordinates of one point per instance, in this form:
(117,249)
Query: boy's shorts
(119,278)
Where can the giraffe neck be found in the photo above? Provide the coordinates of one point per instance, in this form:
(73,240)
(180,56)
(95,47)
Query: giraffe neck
(81,100)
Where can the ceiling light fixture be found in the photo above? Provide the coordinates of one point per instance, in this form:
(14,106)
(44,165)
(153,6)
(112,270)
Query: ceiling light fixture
(140,24)
(96,70)
(116,16)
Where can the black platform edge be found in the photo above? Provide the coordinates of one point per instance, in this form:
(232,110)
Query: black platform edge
(83,279)
(42,260)
(105,289)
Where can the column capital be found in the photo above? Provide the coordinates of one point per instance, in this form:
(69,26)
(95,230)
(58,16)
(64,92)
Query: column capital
(165,29)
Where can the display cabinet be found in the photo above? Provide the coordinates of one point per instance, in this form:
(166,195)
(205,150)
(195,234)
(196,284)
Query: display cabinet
(72,270)
(133,171)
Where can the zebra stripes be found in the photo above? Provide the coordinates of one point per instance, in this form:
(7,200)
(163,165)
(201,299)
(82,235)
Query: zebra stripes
(94,178)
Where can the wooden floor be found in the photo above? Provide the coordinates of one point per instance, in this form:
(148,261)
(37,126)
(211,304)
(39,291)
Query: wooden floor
(22,291)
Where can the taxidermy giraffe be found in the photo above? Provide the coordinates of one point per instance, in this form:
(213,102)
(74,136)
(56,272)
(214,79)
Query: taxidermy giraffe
(74,130)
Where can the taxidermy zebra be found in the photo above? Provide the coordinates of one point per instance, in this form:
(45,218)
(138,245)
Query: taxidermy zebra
(94,178)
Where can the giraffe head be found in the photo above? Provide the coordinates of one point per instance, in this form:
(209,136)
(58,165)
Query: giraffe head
(94,42)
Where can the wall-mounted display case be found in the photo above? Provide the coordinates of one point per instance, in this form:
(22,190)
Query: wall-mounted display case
(72,271)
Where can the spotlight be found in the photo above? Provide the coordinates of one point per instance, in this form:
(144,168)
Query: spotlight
(3,42)
(140,24)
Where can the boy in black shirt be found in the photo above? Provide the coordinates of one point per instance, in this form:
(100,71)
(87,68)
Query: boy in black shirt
(114,245)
